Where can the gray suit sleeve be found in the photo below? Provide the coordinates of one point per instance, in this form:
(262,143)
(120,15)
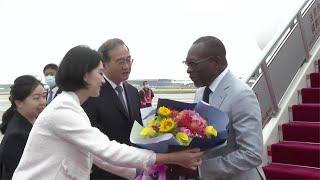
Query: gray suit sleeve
(246,127)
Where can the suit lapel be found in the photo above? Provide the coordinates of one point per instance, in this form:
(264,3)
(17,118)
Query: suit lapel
(114,97)
(58,92)
(221,92)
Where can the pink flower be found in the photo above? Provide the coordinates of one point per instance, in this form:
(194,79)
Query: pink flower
(186,131)
(184,119)
(198,126)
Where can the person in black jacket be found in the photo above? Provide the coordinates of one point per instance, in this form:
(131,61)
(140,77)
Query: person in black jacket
(28,99)
(118,105)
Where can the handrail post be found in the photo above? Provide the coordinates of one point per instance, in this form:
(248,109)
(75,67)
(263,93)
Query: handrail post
(266,74)
(303,36)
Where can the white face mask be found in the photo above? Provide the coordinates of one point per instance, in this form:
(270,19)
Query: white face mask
(146,85)
(50,80)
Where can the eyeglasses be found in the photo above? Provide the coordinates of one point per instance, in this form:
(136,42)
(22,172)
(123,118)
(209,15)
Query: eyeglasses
(123,61)
(194,64)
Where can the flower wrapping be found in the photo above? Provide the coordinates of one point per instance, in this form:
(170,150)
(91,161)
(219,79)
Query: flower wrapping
(168,141)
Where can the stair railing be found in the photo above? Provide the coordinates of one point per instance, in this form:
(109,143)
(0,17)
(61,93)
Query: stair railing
(283,57)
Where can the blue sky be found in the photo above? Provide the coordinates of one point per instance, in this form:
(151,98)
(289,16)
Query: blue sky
(158,32)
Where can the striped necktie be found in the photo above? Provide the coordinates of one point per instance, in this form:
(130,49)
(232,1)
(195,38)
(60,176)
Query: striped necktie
(119,89)
(50,92)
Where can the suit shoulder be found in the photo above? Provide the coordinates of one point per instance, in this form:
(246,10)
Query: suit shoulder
(91,100)
(130,87)
(239,85)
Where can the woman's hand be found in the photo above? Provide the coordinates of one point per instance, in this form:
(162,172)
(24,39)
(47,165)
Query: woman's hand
(190,159)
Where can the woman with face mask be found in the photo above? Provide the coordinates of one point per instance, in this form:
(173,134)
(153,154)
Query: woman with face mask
(27,97)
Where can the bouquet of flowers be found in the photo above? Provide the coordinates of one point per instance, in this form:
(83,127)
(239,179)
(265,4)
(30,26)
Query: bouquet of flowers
(175,125)
(183,125)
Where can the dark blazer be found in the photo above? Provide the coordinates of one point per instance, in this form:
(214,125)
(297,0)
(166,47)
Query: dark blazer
(12,145)
(108,114)
(58,92)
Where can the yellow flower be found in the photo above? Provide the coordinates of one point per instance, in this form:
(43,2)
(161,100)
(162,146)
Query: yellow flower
(183,138)
(167,125)
(163,111)
(211,131)
(148,132)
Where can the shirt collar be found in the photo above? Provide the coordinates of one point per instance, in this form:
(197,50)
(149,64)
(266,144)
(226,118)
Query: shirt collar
(213,86)
(112,83)
(55,89)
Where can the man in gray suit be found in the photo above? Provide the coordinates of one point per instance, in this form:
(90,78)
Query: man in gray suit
(240,157)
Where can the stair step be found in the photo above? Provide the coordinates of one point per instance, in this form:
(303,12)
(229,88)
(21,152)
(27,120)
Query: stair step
(310,95)
(297,153)
(306,112)
(301,131)
(315,80)
(287,171)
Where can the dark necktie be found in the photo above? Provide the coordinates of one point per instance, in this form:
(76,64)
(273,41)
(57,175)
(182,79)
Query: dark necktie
(206,94)
(119,89)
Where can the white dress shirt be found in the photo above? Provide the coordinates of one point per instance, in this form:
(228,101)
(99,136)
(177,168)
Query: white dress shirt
(213,86)
(114,85)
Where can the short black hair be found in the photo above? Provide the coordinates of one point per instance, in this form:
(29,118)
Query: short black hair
(50,66)
(107,46)
(75,64)
(215,45)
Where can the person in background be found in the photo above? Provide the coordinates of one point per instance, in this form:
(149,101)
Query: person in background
(28,99)
(62,144)
(146,95)
(118,105)
(49,72)
(241,157)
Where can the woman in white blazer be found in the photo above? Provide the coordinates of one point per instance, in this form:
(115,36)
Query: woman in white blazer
(62,143)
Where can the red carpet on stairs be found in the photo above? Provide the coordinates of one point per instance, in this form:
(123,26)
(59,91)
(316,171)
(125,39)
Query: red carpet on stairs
(298,155)
(306,112)
(275,171)
(315,79)
(301,131)
(310,95)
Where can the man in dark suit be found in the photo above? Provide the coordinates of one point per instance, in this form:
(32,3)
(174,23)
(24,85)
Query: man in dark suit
(118,105)
(49,72)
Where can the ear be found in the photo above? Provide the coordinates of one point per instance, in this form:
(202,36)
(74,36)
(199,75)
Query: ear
(86,77)
(106,65)
(18,103)
(218,61)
